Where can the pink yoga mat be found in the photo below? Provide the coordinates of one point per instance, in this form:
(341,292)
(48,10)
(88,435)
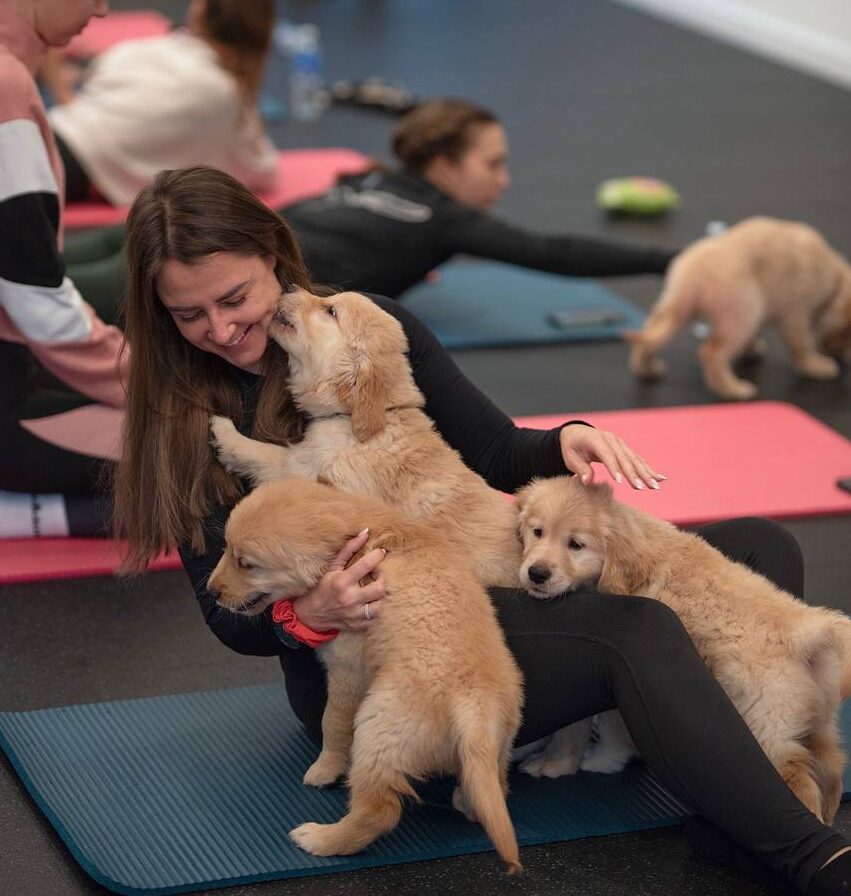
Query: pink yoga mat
(764,458)
(301,173)
(40,559)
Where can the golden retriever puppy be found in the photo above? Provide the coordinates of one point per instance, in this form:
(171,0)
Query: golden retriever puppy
(429,687)
(761,271)
(368,434)
(779,660)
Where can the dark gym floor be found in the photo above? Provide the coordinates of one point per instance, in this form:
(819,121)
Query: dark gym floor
(587,89)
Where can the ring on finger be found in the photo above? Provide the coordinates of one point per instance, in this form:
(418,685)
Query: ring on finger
(366,614)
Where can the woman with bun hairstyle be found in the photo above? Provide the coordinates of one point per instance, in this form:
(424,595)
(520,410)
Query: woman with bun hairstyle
(383,231)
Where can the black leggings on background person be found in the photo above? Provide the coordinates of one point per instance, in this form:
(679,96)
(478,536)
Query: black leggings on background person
(585,653)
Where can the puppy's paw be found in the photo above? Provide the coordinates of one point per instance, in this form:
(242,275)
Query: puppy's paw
(542,766)
(819,367)
(738,390)
(327,839)
(311,837)
(224,438)
(328,768)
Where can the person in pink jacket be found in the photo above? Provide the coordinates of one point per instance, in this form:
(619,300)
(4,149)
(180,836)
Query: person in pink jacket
(62,367)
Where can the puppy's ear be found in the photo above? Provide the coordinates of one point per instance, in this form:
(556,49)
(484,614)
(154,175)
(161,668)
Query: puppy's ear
(369,398)
(628,564)
(522,496)
(377,344)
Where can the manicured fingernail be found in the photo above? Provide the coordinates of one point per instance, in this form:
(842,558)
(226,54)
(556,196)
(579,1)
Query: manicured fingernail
(661,476)
(618,477)
(638,483)
(363,532)
(585,478)
(654,484)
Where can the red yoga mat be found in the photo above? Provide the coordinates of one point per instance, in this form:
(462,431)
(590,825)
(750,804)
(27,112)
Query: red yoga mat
(41,559)
(763,458)
(301,173)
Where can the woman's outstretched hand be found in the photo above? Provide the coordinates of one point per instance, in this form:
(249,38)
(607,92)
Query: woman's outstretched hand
(582,446)
(339,601)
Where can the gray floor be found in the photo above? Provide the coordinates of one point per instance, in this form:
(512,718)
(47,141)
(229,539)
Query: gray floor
(588,89)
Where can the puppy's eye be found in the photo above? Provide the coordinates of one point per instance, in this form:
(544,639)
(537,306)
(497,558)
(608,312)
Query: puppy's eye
(537,531)
(242,563)
(575,545)
(331,310)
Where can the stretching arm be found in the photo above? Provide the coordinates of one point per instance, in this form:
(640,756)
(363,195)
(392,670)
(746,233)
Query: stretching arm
(474,233)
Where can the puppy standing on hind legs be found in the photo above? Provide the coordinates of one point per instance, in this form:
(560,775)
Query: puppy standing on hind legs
(784,664)
(429,687)
(367,432)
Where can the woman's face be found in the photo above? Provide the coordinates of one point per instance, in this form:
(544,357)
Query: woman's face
(58,21)
(223,304)
(480,176)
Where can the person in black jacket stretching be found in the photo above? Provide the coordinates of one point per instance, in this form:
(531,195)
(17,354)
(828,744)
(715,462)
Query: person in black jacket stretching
(208,263)
(383,231)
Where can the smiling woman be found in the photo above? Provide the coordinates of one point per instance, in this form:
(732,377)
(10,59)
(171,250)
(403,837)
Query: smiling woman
(207,263)
(232,324)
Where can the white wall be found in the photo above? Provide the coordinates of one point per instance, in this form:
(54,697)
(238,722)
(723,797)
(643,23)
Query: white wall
(811,35)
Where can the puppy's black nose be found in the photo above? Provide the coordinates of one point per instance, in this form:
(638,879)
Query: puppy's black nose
(213,592)
(539,574)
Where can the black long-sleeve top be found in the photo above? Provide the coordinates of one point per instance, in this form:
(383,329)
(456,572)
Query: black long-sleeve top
(384,231)
(504,455)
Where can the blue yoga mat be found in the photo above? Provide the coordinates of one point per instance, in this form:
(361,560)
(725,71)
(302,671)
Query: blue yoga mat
(485,303)
(194,791)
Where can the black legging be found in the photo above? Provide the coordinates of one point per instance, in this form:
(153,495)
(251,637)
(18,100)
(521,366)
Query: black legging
(586,653)
(31,464)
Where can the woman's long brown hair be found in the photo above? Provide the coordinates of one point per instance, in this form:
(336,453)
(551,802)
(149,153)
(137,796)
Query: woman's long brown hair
(167,481)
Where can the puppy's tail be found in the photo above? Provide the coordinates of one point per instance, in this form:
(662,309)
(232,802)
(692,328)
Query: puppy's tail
(671,312)
(479,750)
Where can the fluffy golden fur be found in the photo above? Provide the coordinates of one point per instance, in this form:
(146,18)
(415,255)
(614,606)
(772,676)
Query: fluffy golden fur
(368,434)
(429,688)
(779,659)
(761,271)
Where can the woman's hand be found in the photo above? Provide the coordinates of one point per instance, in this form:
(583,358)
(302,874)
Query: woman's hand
(338,601)
(582,445)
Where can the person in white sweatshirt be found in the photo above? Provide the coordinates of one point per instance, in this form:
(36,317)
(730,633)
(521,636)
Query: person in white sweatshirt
(185,98)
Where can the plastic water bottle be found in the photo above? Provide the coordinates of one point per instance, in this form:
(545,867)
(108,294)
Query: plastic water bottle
(307,90)
(713,228)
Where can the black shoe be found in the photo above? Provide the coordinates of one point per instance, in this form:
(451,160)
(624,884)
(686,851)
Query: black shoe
(832,880)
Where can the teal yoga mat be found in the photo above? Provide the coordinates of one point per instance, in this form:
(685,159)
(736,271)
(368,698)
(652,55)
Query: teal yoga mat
(479,304)
(193,791)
